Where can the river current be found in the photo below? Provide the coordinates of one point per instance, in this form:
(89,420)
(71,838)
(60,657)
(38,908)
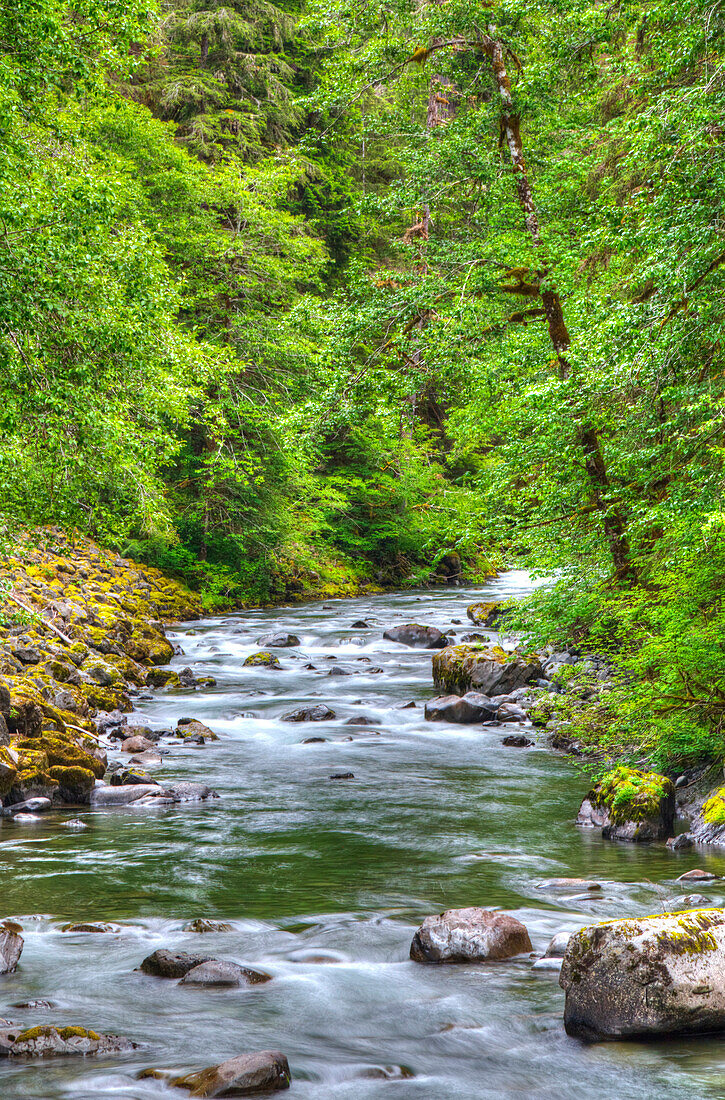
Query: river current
(324,882)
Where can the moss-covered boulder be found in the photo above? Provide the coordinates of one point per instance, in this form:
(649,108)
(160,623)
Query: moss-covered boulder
(650,976)
(245,1075)
(9,764)
(262,659)
(487,613)
(62,752)
(44,1042)
(74,784)
(458,669)
(708,826)
(627,804)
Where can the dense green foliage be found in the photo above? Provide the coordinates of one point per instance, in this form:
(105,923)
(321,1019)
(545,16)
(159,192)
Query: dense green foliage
(282,310)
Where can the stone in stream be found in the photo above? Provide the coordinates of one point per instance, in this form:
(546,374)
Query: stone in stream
(245,1075)
(360,721)
(517,741)
(11,948)
(128,795)
(462,709)
(222,972)
(341,775)
(45,1042)
(39,805)
(554,954)
(680,843)
(697,875)
(360,624)
(416,635)
(148,759)
(469,935)
(203,924)
(262,660)
(319,713)
(279,640)
(190,792)
(171,964)
(90,926)
(646,977)
(137,743)
(314,741)
(569,884)
(129,777)
(187,727)
(461,668)
(35,1004)
(509,712)
(627,804)
(486,614)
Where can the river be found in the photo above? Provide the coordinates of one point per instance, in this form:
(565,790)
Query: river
(324,882)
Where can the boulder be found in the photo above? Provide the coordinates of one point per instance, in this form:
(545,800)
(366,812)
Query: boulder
(134,795)
(279,640)
(219,972)
(462,668)
(11,948)
(245,1075)
(469,935)
(263,660)
(487,613)
(45,1042)
(463,709)
(697,875)
(137,743)
(190,792)
(9,762)
(643,977)
(517,741)
(414,634)
(38,805)
(91,926)
(171,964)
(708,827)
(509,712)
(320,713)
(630,805)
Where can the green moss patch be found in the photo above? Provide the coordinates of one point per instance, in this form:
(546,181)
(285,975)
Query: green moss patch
(631,795)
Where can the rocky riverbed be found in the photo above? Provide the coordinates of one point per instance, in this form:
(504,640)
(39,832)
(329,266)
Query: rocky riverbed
(383,890)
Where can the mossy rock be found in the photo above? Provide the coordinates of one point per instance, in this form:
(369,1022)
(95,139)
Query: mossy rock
(486,614)
(33,782)
(65,753)
(31,758)
(74,784)
(9,764)
(491,670)
(713,810)
(631,795)
(162,677)
(263,659)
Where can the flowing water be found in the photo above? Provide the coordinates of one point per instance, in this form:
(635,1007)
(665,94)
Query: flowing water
(324,882)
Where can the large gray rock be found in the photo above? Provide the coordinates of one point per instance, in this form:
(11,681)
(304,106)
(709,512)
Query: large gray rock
(222,972)
(414,634)
(319,713)
(171,964)
(463,709)
(190,792)
(246,1075)
(126,796)
(11,947)
(469,935)
(45,1042)
(662,975)
(462,668)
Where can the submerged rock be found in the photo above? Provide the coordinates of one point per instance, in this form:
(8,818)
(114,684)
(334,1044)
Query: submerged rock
(462,709)
(91,926)
(245,1075)
(662,975)
(203,924)
(630,805)
(469,935)
(279,640)
(218,972)
(319,713)
(45,1042)
(11,948)
(416,635)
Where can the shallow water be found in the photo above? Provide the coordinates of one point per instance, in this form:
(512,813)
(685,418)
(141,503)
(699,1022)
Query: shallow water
(325,881)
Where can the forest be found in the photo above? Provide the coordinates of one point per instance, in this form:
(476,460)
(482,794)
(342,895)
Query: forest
(302,297)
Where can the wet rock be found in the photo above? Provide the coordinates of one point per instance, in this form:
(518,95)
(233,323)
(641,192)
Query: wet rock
(28,655)
(129,777)
(680,843)
(39,805)
(486,614)
(46,1042)
(148,759)
(630,805)
(263,660)
(190,792)
(405,706)
(414,634)
(9,764)
(386,1073)
(463,709)
(509,712)
(360,721)
(556,948)
(462,668)
(517,741)
(314,741)
(91,926)
(697,875)
(220,972)
(171,964)
(662,975)
(187,678)
(11,948)
(137,743)
(246,1075)
(279,640)
(125,796)
(578,884)
(203,924)
(469,935)
(73,823)
(690,901)
(35,1004)
(192,727)
(342,775)
(108,720)
(360,624)
(338,671)
(319,713)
